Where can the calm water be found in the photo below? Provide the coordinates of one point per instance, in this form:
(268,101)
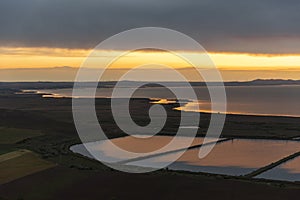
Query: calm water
(148,146)
(289,171)
(256,100)
(237,157)
(234,157)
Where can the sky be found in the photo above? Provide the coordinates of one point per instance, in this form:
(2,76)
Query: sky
(245,39)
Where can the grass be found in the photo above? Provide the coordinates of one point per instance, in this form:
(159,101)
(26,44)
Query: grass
(20,163)
(6,149)
(14,135)
(12,155)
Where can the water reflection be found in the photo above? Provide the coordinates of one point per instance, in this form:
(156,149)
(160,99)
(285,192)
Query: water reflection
(249,100)
(162,101)
(136,144)
(289,171)
(237,157)
(234,157)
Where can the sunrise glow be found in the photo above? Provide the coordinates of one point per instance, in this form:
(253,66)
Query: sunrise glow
(53,57)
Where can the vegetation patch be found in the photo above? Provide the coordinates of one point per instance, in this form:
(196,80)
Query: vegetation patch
(14,135)
(20,163)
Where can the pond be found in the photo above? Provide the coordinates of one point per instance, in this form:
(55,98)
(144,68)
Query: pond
(137,144)
(233,157)
(289,171)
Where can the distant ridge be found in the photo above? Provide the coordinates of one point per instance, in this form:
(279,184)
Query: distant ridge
(274,82)
(58,85)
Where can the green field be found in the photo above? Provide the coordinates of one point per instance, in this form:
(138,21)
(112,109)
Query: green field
(14,135)
(20,163)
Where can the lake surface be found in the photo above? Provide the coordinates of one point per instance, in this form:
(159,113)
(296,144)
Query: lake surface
(136,144)
(236,157)
(288,171)
(233,157)
(277,100)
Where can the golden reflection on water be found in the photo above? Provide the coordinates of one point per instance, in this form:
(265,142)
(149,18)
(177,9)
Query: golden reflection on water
(145,145)
(162,101)
(292,166)
(243,153)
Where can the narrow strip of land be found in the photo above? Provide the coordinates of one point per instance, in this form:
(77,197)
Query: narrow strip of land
(272,165)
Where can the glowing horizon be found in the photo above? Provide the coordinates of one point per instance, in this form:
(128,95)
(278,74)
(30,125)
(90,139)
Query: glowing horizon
(17,57)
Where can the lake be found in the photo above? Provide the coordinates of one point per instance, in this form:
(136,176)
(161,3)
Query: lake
(279,100)
(288,171)
(234,157)
(136,144)
(237,157)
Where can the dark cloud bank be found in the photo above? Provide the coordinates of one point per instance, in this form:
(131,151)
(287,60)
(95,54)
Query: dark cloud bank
(256,26)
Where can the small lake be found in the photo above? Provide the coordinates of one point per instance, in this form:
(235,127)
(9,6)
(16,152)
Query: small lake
(136,144)
(233,157)
(289,171)
(236,157)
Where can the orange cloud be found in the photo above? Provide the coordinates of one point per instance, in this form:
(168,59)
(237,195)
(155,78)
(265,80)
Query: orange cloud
(50,57)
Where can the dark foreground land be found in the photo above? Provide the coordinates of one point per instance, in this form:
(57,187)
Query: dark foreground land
(49,129)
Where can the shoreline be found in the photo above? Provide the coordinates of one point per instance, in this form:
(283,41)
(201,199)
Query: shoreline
(152,100)
(53,116)
(251,176)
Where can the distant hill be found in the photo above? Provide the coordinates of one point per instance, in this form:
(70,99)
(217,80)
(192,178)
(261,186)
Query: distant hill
(273,82)
(56,85)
